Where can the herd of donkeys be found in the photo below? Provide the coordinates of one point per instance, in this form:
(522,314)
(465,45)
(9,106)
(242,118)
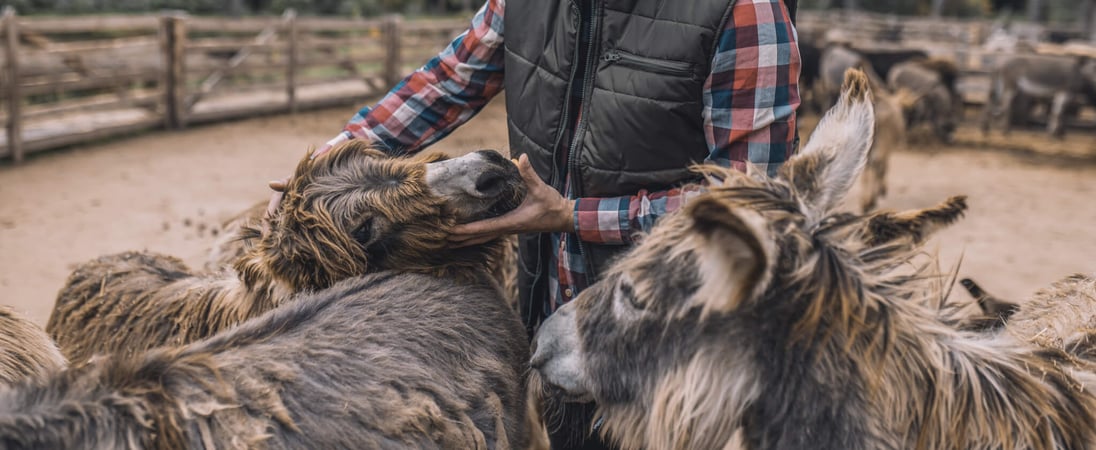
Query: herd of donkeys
(760,316)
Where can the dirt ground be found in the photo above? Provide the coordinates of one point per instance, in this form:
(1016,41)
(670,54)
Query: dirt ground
(1030,221)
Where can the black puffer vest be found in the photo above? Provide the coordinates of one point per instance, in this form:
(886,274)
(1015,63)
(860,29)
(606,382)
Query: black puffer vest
(641,102)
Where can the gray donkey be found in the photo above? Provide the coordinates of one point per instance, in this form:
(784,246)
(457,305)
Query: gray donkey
(378,362)
(759,318)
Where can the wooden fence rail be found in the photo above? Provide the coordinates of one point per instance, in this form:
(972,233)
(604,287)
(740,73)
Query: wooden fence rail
(68,80)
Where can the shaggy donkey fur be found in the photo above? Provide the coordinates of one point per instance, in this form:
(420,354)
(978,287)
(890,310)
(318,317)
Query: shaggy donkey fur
(759,318)
(26,352)
(1054,317)
(381,361)
(352,212)
(239,236)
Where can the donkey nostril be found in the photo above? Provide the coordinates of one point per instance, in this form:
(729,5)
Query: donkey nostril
(490,183)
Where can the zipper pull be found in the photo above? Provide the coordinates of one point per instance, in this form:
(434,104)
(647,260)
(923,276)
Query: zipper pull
(610,56)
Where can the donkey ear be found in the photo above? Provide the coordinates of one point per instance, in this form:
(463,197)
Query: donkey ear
(914,226)
(829,164)
(733,256)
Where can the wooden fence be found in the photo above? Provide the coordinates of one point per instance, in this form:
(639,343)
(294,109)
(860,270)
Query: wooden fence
(73,79)
(70,80)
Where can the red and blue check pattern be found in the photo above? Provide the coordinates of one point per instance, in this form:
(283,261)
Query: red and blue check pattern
(750,99)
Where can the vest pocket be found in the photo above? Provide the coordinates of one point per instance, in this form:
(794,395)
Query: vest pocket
(660,66)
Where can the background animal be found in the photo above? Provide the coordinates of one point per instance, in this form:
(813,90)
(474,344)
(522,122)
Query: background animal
(760,317)
(386,360)
(883,60)
(352,212)
(933,82)
(26,352)
(890,113)
(1063,83)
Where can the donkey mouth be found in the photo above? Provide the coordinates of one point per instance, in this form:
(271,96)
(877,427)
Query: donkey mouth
(509,201)
(477,186)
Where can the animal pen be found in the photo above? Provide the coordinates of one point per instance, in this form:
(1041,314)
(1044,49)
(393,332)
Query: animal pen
(72,79)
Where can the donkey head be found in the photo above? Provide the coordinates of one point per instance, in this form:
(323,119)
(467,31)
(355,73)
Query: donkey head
(357,210)
(675,342)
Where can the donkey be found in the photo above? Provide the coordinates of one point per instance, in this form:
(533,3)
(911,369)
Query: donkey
(26,352)
(891,111)
(386,360)
(1064,83)
(759,317)
(939,103)
(352,212)
(1050,318)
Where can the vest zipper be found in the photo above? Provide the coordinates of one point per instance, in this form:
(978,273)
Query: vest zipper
(662,66)
(580,128)
(556,179)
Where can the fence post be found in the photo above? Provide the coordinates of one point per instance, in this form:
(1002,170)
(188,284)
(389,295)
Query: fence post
(393,65)
(11,74)
(291,66)
(937,8)
(173,45)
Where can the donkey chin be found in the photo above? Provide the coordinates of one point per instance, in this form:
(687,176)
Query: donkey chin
(480,185)
(557,361)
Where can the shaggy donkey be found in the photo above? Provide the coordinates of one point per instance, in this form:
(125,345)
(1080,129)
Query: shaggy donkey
(891,110)
(238,237)
(351,212)
(1054,317)
(1064,83)
(759,318)
(939,102)
(386,360)
(26,352)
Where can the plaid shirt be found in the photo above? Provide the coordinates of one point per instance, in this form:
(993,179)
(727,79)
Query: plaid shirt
(750,98)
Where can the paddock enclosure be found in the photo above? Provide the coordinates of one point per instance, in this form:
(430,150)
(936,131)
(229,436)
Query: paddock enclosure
(167,184)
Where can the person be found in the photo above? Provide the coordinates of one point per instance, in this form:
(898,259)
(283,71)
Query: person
(608,104)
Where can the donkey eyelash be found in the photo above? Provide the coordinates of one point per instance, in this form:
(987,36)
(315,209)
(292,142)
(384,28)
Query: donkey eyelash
(364,232)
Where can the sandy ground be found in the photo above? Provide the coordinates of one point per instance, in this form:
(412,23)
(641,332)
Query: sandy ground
(1030,221)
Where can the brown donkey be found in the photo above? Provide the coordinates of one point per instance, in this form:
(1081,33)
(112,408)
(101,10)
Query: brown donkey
(381,361)
(1055,317)
(352,212)
(759,318)
(26,352)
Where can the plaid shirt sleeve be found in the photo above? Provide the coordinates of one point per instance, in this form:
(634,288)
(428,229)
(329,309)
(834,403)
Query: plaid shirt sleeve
(750,98)
(437,98)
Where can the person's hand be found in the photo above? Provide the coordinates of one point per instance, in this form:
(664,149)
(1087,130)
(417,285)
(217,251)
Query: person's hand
(543,210)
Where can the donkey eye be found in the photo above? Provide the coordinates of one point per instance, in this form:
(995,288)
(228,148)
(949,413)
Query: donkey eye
(628,293)
(364,232)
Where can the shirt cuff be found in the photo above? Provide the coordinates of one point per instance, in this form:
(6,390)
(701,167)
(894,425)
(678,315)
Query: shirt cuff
(603,220)
(358,129)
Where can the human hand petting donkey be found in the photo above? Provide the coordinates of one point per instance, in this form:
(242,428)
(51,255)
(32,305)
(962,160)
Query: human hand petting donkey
(543,210)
